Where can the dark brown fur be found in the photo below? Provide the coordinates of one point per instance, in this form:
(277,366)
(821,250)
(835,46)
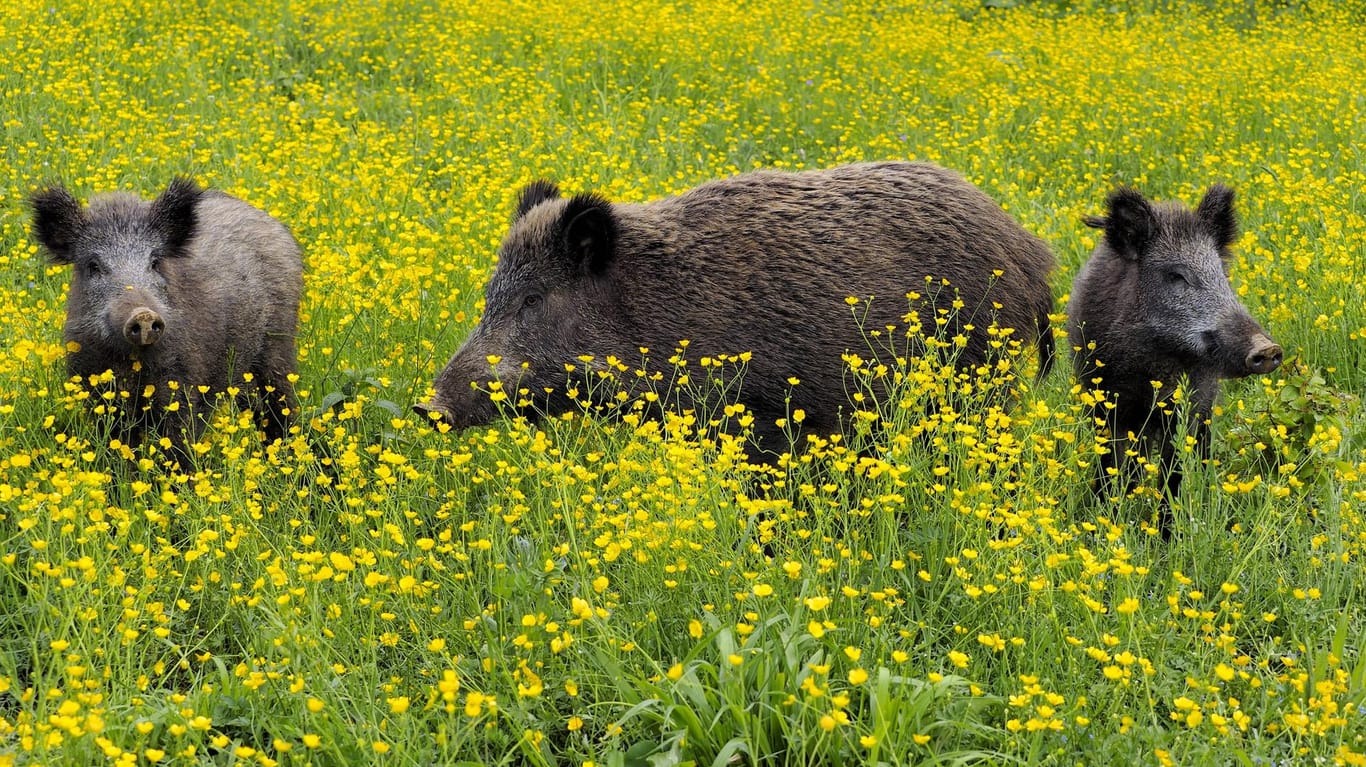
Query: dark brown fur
(1153,303)
(196,288)
(760,262)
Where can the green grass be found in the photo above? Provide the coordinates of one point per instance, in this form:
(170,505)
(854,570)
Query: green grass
(618,591)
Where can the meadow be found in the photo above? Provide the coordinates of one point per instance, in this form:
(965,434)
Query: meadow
(613,591)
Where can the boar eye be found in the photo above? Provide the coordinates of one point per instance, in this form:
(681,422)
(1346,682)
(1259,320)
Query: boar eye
(532,301)
(1175,277)
(93,268)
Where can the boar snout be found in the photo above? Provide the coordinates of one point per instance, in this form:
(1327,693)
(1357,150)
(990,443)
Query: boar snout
(1265,356)
(143,327)
(422,408)
(429,410)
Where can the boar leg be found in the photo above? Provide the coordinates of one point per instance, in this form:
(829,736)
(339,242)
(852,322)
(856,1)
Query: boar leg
(1171,468)
(1146,426)
(1198,426)
(180,426)
(1117,474)
(125,424)
(1108,468)
(279,415)
(278,406)
(767,442)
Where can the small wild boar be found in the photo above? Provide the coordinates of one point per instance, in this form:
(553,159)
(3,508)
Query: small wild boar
(194,289)
(761,263)
(1153,303)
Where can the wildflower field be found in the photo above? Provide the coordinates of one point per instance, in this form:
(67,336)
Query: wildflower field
(613,591)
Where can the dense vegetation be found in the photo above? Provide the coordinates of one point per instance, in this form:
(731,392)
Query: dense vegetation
(607,591)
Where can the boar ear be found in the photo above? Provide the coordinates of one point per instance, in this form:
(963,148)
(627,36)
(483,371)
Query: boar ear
(57,220)
(590,232)
(1216,215)
(173,213)
(534,194)
(1129,225)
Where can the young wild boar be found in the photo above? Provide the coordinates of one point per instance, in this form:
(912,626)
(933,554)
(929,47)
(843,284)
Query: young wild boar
(194,289)
(761,263)
(1153,303)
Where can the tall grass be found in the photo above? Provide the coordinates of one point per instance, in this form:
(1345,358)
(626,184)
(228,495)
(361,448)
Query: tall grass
(630,591)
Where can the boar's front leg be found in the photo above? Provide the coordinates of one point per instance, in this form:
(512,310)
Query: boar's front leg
(1116,473)
(279,406)
(177,416)
(1171,468)
(1197,427)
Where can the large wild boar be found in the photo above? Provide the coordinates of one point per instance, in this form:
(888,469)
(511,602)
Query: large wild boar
(1153,303)
(761,263)
(194,289)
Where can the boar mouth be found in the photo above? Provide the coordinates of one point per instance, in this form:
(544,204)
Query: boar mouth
(437,411)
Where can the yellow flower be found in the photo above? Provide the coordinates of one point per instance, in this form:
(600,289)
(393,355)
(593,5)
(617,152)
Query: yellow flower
(474,703)
(816,604)
(449,684)
(991,641)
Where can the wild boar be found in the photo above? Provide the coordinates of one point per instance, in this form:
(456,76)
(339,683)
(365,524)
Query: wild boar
(1153,304)
(193,289)
(760,262)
